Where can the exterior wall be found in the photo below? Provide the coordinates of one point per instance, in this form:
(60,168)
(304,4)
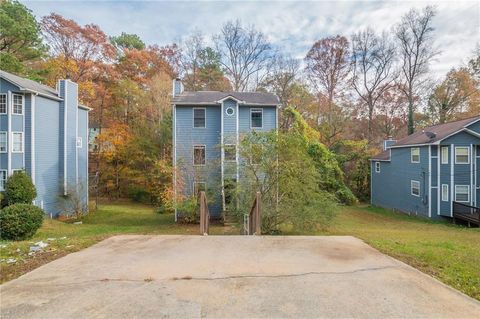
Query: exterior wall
(43,126)
(391,188)
(82,153)
(220,129)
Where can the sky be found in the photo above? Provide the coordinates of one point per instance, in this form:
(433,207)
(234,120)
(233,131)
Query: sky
(291,26)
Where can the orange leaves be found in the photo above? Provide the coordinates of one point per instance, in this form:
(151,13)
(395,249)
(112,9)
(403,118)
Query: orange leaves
(113,142)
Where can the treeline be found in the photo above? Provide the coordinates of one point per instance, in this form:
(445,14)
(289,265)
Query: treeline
(354,90)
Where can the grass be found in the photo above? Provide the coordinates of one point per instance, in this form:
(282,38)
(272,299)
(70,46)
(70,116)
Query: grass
(447,252)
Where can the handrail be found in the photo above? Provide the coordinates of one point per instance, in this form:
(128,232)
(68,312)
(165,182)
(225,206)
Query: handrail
(255,216)
(204,214)
(470,214)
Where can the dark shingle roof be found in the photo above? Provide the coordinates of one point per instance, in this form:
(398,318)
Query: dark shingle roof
(29,84)
(441,131)
(383,156)
(212,97)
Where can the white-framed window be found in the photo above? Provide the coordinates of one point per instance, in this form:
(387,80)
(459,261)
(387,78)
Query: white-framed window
(444,151)
(199,155)
(256,118)
(415,188)
(462,193)
(3,103)
(79,142)
(199,187)
(462,155)
(444,192)
(3,179)
(17,142)
(17,105)
(199,117)
(3,142)
(377,167)
(415,154)
(230,152)
(230,111)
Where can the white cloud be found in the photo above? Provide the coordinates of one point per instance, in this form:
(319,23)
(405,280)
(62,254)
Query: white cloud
(292,26)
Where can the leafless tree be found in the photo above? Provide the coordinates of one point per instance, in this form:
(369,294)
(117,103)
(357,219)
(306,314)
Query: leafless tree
(190,59)
(372,69)
(327,67)
(245,54)
(415,41)
(281,77)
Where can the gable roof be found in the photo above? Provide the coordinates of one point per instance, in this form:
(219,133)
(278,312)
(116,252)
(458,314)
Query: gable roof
(29,85)
(215,98)
(441,132)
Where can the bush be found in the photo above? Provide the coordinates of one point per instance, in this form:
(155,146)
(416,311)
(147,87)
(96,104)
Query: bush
(139,194)
(20,221)
(188,211)
(19,189)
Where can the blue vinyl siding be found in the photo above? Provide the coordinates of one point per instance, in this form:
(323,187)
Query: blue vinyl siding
(83,155)
(269,118)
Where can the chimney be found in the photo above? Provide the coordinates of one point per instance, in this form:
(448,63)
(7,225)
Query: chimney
(388,143)
(177,87)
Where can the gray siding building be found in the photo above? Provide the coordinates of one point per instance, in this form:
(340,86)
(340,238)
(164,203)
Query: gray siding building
(43,131)
(207,127)
(426,172)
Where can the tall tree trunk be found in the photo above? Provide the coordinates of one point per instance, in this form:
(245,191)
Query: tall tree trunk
(411,126)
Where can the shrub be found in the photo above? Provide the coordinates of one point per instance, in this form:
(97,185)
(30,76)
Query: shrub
(20,221)
(138,194)
(188,210)
(19,189)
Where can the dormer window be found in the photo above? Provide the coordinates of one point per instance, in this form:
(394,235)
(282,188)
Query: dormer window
(415,155)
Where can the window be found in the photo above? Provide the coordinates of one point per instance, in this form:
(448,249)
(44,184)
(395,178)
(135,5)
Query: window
(377,167)
(199,155)
(445,192)
(462,155)
(444,154)
(3,142)
(17,104)
(3,104)
(462,193)
(415,188)
(17,142)
(199,117)
(3,179)
(79,142)
(199,187)
(230,152)
(230,111)
(415,154)
(256,118)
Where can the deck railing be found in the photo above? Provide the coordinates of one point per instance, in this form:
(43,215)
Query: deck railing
(255,217)
(204,214)
(466,213)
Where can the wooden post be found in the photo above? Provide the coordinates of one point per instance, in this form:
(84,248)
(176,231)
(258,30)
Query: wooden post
(255,216)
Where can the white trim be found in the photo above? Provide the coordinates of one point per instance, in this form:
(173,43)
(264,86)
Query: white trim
(6,141)
(9,130)
(411,155)
(65,117)
(174,150)
(256,110)
(230,108)
(221,157)
(441,154)
(411,188)
(445,198)
(377,167)
(452,170)
(32,135)
(468,155)
(475,174)
(232,98)
(205,154)
(237,160)
(23,142)
(472,187)
(468,193)
(6,103)
(439,170)
(430,181)
(76,148)
(193,117)
(20,88)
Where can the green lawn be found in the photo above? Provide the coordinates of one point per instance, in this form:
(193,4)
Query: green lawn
(447,252)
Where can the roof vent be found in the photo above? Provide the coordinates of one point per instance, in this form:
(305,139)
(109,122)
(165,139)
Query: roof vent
(430,135)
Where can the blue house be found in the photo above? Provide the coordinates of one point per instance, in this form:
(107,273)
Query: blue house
(43,131)
(430,171)
(207,127)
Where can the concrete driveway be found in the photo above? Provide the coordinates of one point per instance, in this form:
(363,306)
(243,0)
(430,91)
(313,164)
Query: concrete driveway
(230,276)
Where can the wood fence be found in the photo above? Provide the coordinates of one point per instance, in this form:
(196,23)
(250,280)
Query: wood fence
(204,214)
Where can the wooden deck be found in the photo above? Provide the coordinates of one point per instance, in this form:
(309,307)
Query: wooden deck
(466,213)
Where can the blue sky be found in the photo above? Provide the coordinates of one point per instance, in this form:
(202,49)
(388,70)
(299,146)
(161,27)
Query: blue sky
(292,26)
